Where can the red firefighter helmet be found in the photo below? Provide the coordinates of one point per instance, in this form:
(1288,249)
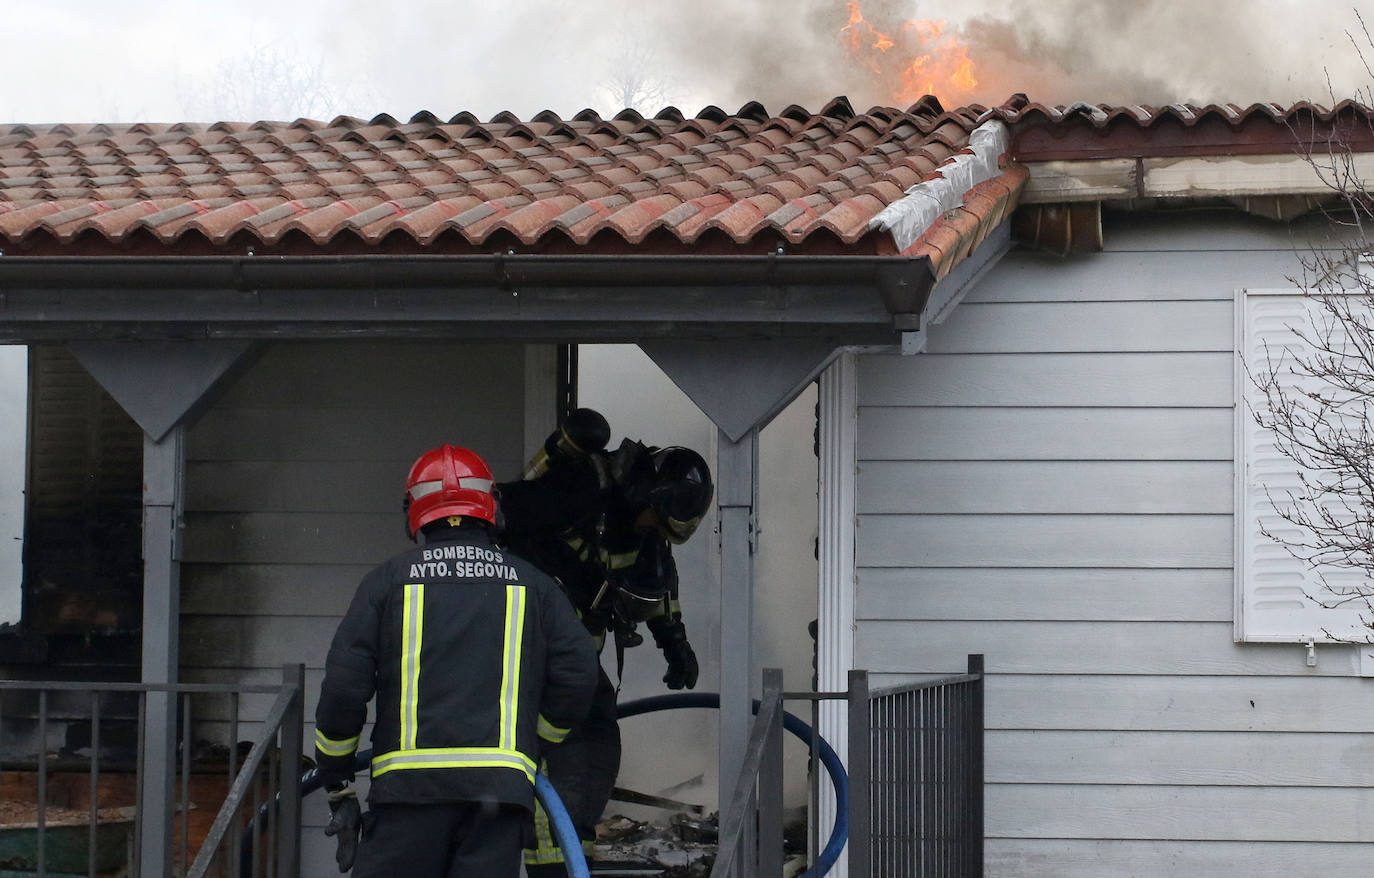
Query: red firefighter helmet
(448,481)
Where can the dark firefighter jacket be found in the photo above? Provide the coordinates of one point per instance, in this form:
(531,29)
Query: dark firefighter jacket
(576,524)
(473,655)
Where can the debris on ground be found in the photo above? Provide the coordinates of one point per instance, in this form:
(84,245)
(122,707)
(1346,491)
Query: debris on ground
(684,846)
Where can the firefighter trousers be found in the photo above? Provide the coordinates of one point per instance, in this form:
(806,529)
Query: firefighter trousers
(582,770)
(463,840)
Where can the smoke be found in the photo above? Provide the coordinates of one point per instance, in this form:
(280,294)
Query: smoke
(529,55)
(1100,51)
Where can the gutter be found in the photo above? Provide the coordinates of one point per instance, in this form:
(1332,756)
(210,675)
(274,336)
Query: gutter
(317,289)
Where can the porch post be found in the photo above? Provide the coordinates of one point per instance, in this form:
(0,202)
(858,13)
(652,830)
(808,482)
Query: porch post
(163,467)
(736,489)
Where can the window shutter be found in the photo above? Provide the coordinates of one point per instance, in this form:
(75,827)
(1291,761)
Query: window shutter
(1279,597)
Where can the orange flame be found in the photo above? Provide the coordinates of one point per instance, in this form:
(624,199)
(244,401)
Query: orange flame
(927,61)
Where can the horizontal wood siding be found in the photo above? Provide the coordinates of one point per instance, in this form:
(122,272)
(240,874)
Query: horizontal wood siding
(1051,484)
(294,481)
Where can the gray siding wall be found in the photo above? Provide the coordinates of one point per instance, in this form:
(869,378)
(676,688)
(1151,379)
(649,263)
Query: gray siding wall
(294,482)
(1051,484)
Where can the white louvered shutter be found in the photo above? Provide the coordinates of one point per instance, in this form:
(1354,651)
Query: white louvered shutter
(1279,597)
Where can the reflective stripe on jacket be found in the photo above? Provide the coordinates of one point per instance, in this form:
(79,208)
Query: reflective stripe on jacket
(473,654)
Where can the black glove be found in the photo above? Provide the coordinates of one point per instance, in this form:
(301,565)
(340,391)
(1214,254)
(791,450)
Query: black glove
(345,821)
(682,661)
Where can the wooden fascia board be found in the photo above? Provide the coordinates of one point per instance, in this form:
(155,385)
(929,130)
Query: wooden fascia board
(1186,177)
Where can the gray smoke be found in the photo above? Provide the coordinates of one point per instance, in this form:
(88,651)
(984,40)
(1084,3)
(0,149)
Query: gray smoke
(555,54)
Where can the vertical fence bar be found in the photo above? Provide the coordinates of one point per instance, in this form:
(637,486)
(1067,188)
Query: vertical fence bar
(770,779)
(860,806)
(288,815)
(42,780)
(234,835)
(95,785)
(185,781)
(138,781)
(274,773)
(975,739)
(256,825)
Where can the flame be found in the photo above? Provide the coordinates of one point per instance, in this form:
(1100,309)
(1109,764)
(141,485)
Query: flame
(927,60)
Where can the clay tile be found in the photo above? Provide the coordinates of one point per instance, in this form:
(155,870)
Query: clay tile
(542,189)
(16,223)
(685,190)
(590,189)
(744,218)
(637,188)
(688,220)
(849,219)
(425,223)
(784,189)
(635,220)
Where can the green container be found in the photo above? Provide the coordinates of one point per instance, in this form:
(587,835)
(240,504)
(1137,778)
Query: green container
(65,848)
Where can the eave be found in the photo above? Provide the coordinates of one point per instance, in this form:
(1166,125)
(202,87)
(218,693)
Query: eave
(529,297)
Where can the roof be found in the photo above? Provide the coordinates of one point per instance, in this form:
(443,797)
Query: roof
(742,182)
(713,181)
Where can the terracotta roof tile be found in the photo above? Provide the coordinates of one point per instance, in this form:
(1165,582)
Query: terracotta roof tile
(748,174)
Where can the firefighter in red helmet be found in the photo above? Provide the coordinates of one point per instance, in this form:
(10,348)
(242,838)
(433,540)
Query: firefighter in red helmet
(475,657)
(604,523)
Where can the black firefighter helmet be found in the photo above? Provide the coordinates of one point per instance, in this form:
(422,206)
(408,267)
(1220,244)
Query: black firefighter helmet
(678,489)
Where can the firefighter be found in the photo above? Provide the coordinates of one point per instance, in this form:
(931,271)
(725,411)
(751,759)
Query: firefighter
(476,657)
(604,523)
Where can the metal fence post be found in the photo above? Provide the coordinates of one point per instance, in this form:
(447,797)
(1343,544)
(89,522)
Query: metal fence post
(975,766)
(289,812)
(860,806)
(770,780)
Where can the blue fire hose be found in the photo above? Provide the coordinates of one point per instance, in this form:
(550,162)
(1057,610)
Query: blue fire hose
(563,828)
(839,780)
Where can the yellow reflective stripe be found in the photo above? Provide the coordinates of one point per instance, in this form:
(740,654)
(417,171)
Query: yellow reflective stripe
(330,747)
(546,849)
(550,732)
(622,560)
(510,679)
(412,629)
(453,757)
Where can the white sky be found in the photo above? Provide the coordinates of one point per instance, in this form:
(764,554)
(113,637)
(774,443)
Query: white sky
(87,60)
(139,60)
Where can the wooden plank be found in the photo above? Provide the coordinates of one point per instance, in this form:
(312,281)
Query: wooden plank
(1055,594)
(1154,648)
(1081,180)
(270,589)
(255,641)
(1240,234)
(1043,541)
(1246,759)
(1018,433)
(1231,813)
(1186,487)
(1090,858)
(1132,275)
(296,486)
(1116,380)
(1038,327)
(1180,703)
(293,537)
(346,374)
(381,434)
(1215,175)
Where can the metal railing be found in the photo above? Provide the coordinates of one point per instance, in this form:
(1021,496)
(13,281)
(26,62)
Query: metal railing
(270,807)
(757,790)
(83,793)
(915,780)
(923,772)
